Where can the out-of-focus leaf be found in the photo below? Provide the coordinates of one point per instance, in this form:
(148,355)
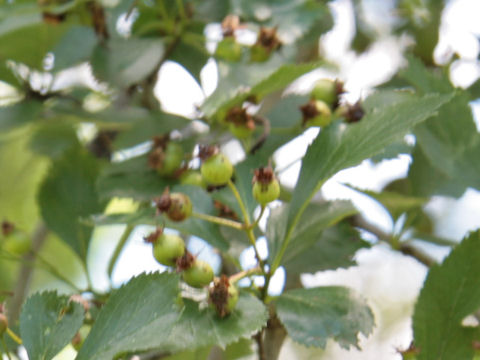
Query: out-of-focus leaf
(19,114)
(28,45)
(48,323)
(190,52)
(22,172)
(158,123)
(449,141)
(293,18)
(334,248)
(131,178)
(53,139)
(450,293)
(311,316)
(239,81)
(75,46)
(317,218)
(126,62)
(340,146)
(69,193)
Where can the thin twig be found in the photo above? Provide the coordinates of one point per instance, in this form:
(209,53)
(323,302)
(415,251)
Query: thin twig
(25,273)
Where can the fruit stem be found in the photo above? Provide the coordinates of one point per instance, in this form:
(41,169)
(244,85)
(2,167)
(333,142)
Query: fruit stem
(118,249)
(219,220)
(242,274)
(255,223)
(246,218)
(14,336)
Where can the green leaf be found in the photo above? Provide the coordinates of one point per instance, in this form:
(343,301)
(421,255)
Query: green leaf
(144,129)
(48,323)
(131,178)
(317,218)
(22,172)
(136,317)
(53,139)
(311,316)
(201,327)
(450,293)
(199,354)
(19,114)
(145,314)
(292,18)
(449,142)
(68,193)
(74,47)
(126,62)
(340,146)
(334,248)
(239,81)
(190,52)
(28,45)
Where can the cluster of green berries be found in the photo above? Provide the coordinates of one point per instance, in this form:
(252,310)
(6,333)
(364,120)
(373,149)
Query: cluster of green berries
(324,105)
(229,49)
(169,250)
(13,240)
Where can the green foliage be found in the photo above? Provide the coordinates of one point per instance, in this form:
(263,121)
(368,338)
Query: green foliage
(47,323)
(450,293)
(340,147)
(159,320)
(67,194)
(69,146)
(311,316)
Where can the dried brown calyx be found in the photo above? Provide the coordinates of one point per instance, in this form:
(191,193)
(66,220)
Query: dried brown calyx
(207,151)
(7,227)
(264,176)
(354,113)
(164,202)
(156,157)
(153,236)
(268,39)
(185,262)
(218,295)
(339,90)
(229,24)
(240,117)
(309,111)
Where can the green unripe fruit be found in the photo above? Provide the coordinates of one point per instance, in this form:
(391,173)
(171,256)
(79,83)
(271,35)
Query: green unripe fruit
(217,169)
(192,177)
(258,53)
(232,299)
(325,90)
(3,324)
(323,115)
(17,242)
(168,248)
(240,131)
(265,193)
(229,49)
(180,207)
(200,274)
(173,157)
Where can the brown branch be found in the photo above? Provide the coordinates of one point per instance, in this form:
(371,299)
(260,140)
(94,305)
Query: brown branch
(405,248)
(25,273)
